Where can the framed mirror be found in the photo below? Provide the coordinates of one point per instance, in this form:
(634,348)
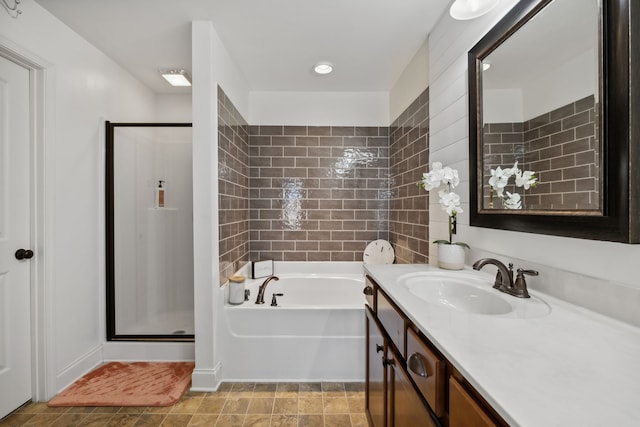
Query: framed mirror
(550,114)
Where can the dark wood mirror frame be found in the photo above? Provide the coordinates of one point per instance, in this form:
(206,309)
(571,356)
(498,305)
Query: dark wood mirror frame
(620,160)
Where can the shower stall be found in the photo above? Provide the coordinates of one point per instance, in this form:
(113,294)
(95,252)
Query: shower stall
(149,231)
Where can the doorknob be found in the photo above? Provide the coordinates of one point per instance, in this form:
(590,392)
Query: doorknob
(24,254)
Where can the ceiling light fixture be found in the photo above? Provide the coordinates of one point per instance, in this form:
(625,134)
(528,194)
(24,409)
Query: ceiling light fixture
(176,77)
(323,68)
(463,10)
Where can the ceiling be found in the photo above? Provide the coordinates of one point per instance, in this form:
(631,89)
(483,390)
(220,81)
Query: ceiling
(275,43)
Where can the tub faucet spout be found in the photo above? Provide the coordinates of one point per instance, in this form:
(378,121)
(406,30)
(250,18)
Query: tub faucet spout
(263,287)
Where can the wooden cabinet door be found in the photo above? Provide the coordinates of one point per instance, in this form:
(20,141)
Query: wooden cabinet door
(375,397)
(463,409)
(407,409)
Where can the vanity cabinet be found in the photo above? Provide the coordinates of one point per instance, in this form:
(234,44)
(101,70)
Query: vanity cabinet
(390,399)
(464,410)
(406,406)
(375,396)
(427,370)
(408,381)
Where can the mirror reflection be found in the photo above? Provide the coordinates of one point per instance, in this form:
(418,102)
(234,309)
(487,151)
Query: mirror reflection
(540,90)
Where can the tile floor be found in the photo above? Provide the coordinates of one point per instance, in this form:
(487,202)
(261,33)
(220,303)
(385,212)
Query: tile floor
(233,405)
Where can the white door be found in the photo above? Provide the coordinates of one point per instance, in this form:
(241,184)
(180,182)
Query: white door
(15,316)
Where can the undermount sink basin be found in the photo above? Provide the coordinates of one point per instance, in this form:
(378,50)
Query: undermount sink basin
(465,292)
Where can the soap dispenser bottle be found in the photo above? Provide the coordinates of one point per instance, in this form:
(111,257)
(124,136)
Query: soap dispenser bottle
(160,195)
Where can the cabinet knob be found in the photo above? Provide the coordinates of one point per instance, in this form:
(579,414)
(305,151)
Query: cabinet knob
(417,366)
(387,362)
(368,290)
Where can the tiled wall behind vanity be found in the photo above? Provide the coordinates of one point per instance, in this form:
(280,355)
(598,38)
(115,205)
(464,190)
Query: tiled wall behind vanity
(317,193)
(233,187)
(409,159)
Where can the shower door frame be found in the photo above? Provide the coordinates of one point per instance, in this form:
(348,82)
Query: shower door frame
(110,242)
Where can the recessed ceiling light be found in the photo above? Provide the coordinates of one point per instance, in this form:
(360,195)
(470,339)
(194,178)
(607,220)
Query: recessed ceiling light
(176,77)
(463,10)
(323,68)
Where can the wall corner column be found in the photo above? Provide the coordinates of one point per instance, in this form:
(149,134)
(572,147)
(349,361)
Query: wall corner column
(206,375)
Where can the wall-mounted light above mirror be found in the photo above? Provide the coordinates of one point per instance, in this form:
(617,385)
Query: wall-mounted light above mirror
(551,104)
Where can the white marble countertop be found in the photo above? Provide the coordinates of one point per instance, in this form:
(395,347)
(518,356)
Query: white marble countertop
(572,367)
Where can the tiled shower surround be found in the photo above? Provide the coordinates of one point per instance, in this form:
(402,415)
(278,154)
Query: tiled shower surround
(561,146)
(321,193)
(409,213)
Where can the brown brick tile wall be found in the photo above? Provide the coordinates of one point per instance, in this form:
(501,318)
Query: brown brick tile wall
(409,159)
(321,193)
(561,146)
(317,193)
(233,187)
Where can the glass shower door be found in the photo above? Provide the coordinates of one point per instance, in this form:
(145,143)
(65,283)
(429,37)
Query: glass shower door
(149,232)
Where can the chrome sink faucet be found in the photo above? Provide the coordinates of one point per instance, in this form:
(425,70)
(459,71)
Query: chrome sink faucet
(263,287)
(504,277)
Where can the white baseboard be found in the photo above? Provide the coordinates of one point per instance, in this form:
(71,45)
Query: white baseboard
(148,351)
(206,379)
(77,368)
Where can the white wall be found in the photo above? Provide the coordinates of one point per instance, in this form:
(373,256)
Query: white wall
(411,83)
(541,93)
(448,45)
(153,246)
(561,85)
(173,108)
(319,108)
(82,88)
(212,66)
(502,106)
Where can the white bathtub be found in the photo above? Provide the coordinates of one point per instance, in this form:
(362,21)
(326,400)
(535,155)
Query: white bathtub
(316,333)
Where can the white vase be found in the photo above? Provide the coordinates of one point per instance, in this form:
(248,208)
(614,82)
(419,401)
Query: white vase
(450,257)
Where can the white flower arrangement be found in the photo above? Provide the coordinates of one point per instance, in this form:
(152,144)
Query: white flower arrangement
(449,201)
(499,180)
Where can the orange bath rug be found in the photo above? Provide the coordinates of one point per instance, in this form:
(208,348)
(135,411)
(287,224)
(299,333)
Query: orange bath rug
(129,384)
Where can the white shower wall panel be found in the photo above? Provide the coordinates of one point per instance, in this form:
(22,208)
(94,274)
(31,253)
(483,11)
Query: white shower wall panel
(153,245)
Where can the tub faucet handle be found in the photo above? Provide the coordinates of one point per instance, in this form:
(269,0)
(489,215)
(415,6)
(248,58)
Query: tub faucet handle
(274,302)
